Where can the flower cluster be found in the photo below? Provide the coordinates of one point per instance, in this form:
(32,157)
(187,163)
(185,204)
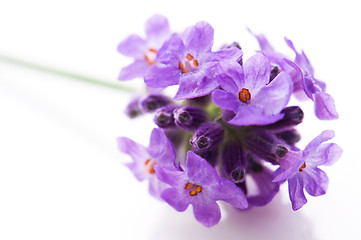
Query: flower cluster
(228,134)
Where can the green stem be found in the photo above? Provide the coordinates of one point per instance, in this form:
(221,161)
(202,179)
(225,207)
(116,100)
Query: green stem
(75,76)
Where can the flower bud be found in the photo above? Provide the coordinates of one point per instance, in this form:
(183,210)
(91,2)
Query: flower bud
(133,109)
(163,116)
(153,102)
(289,136)
(211,156)
(207,137)
(292,117)
(234,161)
(265,145)
(189,117)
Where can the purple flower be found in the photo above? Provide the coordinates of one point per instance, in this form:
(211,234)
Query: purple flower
(187,60)
(314,89)
(302,74)
(200,186)
(249,93)
(144,51)
(160,151)
(301,170)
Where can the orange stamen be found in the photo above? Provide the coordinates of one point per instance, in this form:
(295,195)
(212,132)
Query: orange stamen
(302,167)
(182,68)
(152,50)
(189,57)
(199,188)
(244,95)
(193,193)
(195,63)
(149,166)
(188,186)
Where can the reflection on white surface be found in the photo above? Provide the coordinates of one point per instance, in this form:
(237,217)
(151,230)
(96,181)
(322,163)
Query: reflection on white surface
(275,221)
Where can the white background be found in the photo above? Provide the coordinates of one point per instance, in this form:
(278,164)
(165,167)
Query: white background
(61,176)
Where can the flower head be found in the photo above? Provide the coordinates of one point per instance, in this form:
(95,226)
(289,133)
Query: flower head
(301,170)
(200,186)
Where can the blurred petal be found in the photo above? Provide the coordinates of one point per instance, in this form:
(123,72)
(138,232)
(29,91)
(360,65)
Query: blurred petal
(157,27)
(316,181)
(161,149)
(133,46)
(138,68)
(317,141)
(199,39)
(160,76)
(325,106)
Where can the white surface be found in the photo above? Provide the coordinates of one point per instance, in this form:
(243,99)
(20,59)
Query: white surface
(61,176)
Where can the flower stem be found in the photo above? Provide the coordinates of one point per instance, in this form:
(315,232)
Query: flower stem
(74,76)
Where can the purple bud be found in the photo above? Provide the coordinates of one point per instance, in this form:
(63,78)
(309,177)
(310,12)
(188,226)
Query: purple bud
(163,116)
(153,102)
(265,145)
(289,136)
(207,137)
(211,156)
(189,117)
(234,161)
(292,117)
(133,109)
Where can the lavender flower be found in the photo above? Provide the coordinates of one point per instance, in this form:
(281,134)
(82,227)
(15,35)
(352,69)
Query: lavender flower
(301,170)
(302,74)
(248,93)
(160,151)
(187,60)
(144,51)
(200,186)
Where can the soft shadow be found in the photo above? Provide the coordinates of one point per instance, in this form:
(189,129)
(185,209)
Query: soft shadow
(274,221)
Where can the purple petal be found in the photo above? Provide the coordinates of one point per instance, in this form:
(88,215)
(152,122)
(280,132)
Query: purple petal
(301,59)
(225,100)
(133,46)
(171,52)
(160,76)
(233,54)
(137,69)
(316,181)
(297,196)
(161,149)
(200,171)
(199,39)
(253,115)
(317,141)
(263,42)
(135,150)
(257,71)
(196,84)
(157,27)
(233,81)
(227,191)
(325,106)
(326,154)
(156,187)
(275,96)
(207,212)
(170,176)
(177,200)
(266,188)
(289,166)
